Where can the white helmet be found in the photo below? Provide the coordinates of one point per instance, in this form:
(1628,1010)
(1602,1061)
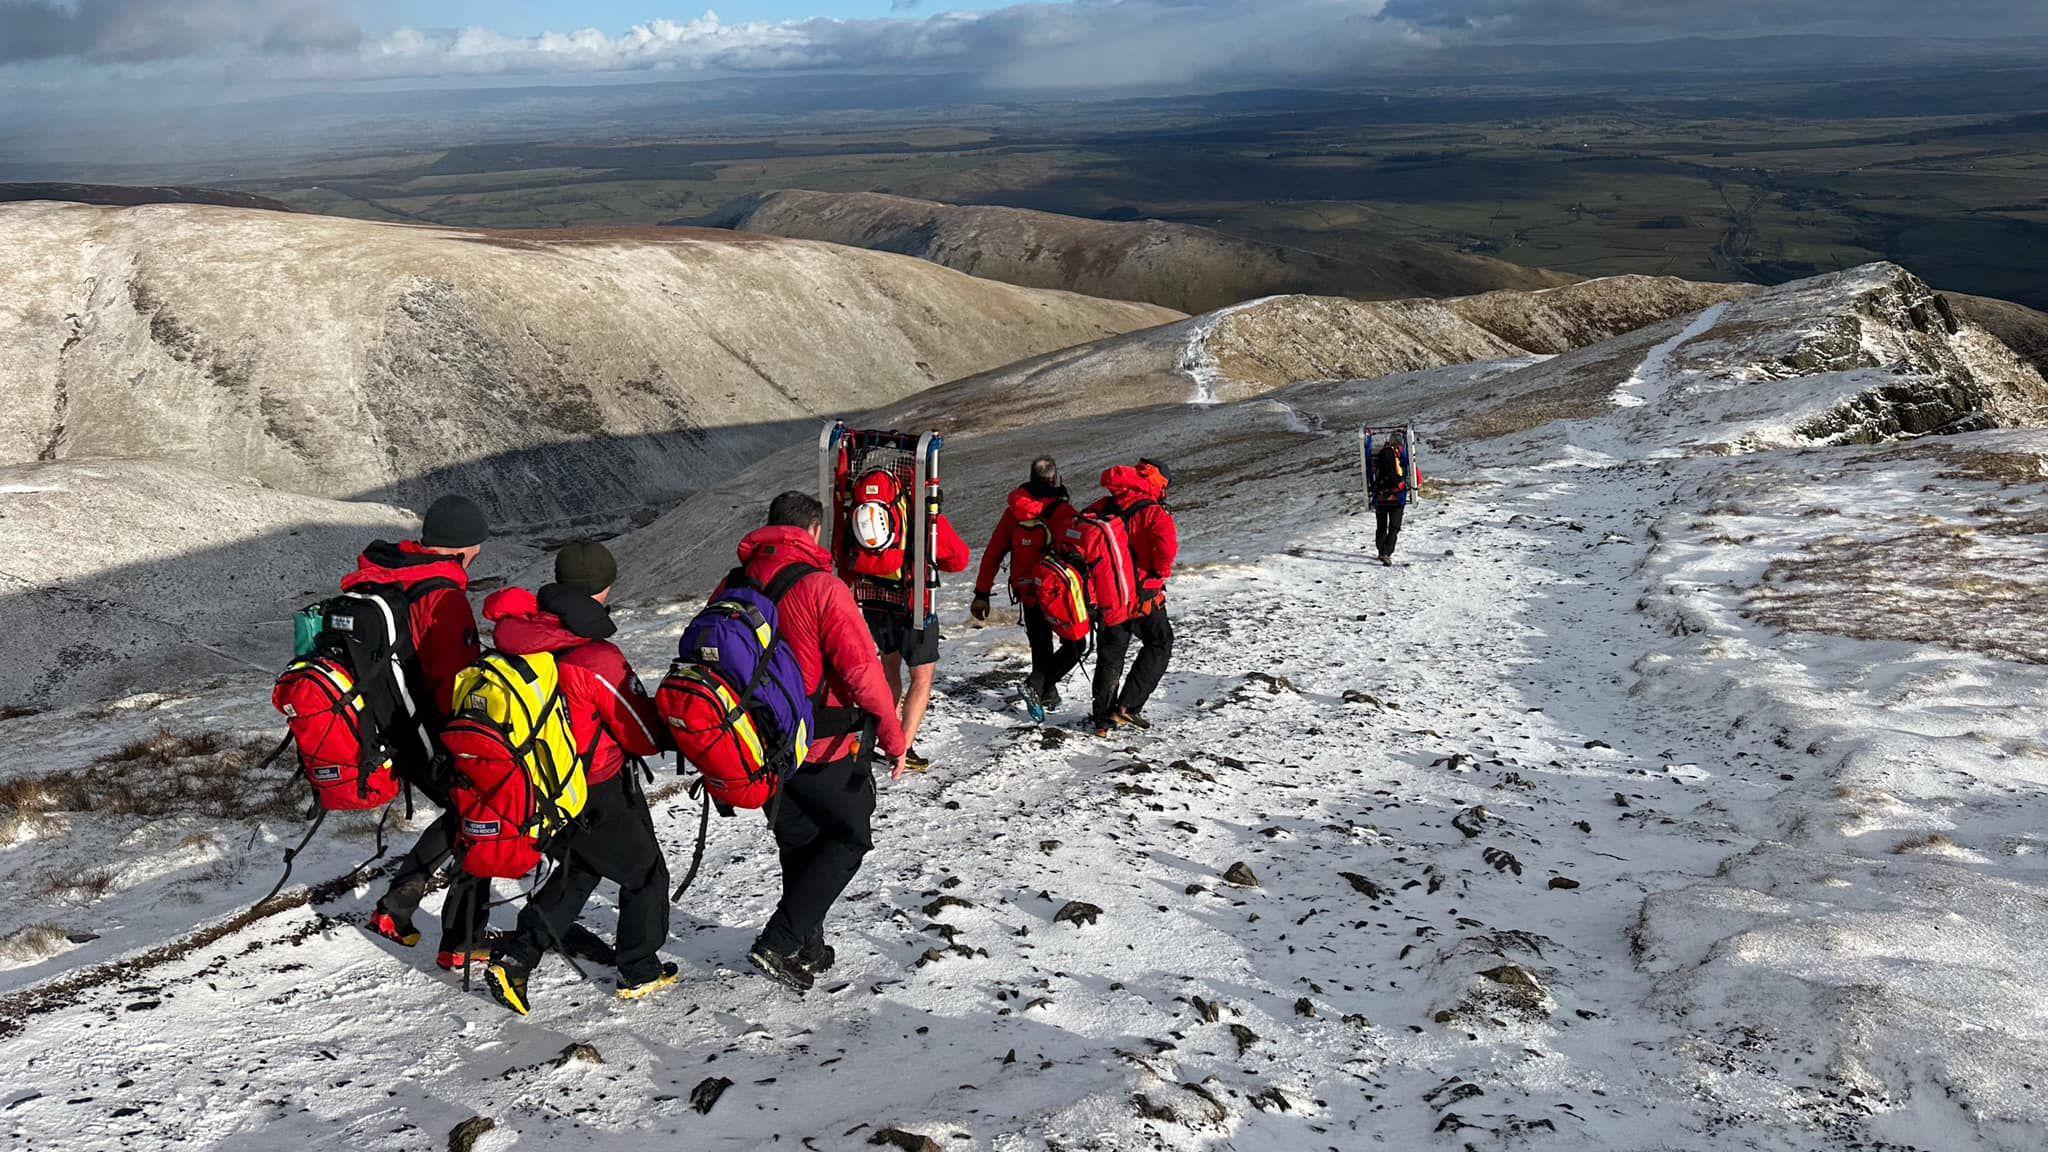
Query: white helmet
(876,519)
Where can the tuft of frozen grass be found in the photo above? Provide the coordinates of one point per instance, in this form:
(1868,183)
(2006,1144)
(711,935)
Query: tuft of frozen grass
(164,774)
(33,942)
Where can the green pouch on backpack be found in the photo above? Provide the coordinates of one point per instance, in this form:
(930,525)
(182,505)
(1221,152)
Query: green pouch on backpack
(306,628)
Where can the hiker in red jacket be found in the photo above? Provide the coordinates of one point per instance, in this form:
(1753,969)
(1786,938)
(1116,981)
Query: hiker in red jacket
(1138,495)
(445,642)
(1023,535)
(823,818)
(876,558)
(614,840)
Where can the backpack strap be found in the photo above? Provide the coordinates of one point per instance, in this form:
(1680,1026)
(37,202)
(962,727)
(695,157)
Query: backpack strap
(787,579)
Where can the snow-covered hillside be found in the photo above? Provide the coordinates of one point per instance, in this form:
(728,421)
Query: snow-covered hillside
(1677,791)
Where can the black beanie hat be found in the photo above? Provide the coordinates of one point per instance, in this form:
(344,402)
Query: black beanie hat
(454,522)
(586,566)
(1165,472)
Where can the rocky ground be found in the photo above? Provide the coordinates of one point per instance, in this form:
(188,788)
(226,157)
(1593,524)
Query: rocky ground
(1677,791)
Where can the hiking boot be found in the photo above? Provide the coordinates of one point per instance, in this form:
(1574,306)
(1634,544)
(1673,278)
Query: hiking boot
(669,975)
(1387,560)
(784,970)
(916,763)
(1132,720)
(1050,698)
(1034,705)
(456,960)
(816,956)
(400,932)
(507,984)
(581,943)
(1105,731)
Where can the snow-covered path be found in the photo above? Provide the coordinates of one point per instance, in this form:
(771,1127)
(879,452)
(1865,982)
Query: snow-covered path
(1324,717)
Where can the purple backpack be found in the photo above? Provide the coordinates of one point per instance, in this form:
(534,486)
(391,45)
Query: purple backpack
(735,699)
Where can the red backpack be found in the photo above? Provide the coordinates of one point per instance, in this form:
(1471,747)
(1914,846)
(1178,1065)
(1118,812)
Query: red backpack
(1093,548)
(352,696)
(1060,591)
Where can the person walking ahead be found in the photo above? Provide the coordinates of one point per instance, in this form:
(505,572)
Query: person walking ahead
(1137,495)
(613,720)
(1391,470)
(823,820)
(1032,519)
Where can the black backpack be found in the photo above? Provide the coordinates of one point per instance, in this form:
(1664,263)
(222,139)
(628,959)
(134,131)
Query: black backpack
(368,631)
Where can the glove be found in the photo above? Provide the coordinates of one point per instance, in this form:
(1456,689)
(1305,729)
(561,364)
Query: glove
(979,609)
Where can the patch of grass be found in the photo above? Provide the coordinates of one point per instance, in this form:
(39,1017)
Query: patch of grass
(76,887)
(33,942)
(165,774)
(1932,842)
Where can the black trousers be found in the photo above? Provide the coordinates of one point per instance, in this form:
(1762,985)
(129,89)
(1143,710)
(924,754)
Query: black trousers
(1388,529)
(616,843)
(824,826)
(1113,690)
(466,913)
(1051,657)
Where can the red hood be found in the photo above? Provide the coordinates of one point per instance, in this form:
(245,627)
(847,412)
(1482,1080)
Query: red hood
(521,628)
(404,564)
(1129,486)
(767,551)
(1024,506)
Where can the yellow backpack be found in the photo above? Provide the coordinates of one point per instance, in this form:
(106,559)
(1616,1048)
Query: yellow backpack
(519,778)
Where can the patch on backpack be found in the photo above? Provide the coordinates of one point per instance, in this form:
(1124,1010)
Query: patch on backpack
(480,829)
(342,623)
(707,655)
(327,774)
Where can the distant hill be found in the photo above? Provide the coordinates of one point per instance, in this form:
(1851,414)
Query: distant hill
(550,375)
(1175,265)
(128,196)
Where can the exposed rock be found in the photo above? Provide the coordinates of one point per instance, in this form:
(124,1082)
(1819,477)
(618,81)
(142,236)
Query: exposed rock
(944,902)
(907,1141)
(1241,875)
(705,1095)
(1564,883)
(1077,912)
(463,1137)
(1471,821)
(1245,1038)
(1502,860)
(1365,887)
(1305,1008)
(578,1054)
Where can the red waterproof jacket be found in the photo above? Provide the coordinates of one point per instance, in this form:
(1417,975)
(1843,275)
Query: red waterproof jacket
(1155,538)
(443,626)
(826,633)
(609,710)
(1025,531)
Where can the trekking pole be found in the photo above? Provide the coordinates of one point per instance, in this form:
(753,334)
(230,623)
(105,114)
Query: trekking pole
(289,856)
(696,857)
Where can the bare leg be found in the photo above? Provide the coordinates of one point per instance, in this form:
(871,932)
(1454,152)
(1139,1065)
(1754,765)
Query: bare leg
(917,700)
(892,667)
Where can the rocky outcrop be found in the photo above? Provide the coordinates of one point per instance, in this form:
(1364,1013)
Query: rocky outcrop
(1177,265)
(550,375)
